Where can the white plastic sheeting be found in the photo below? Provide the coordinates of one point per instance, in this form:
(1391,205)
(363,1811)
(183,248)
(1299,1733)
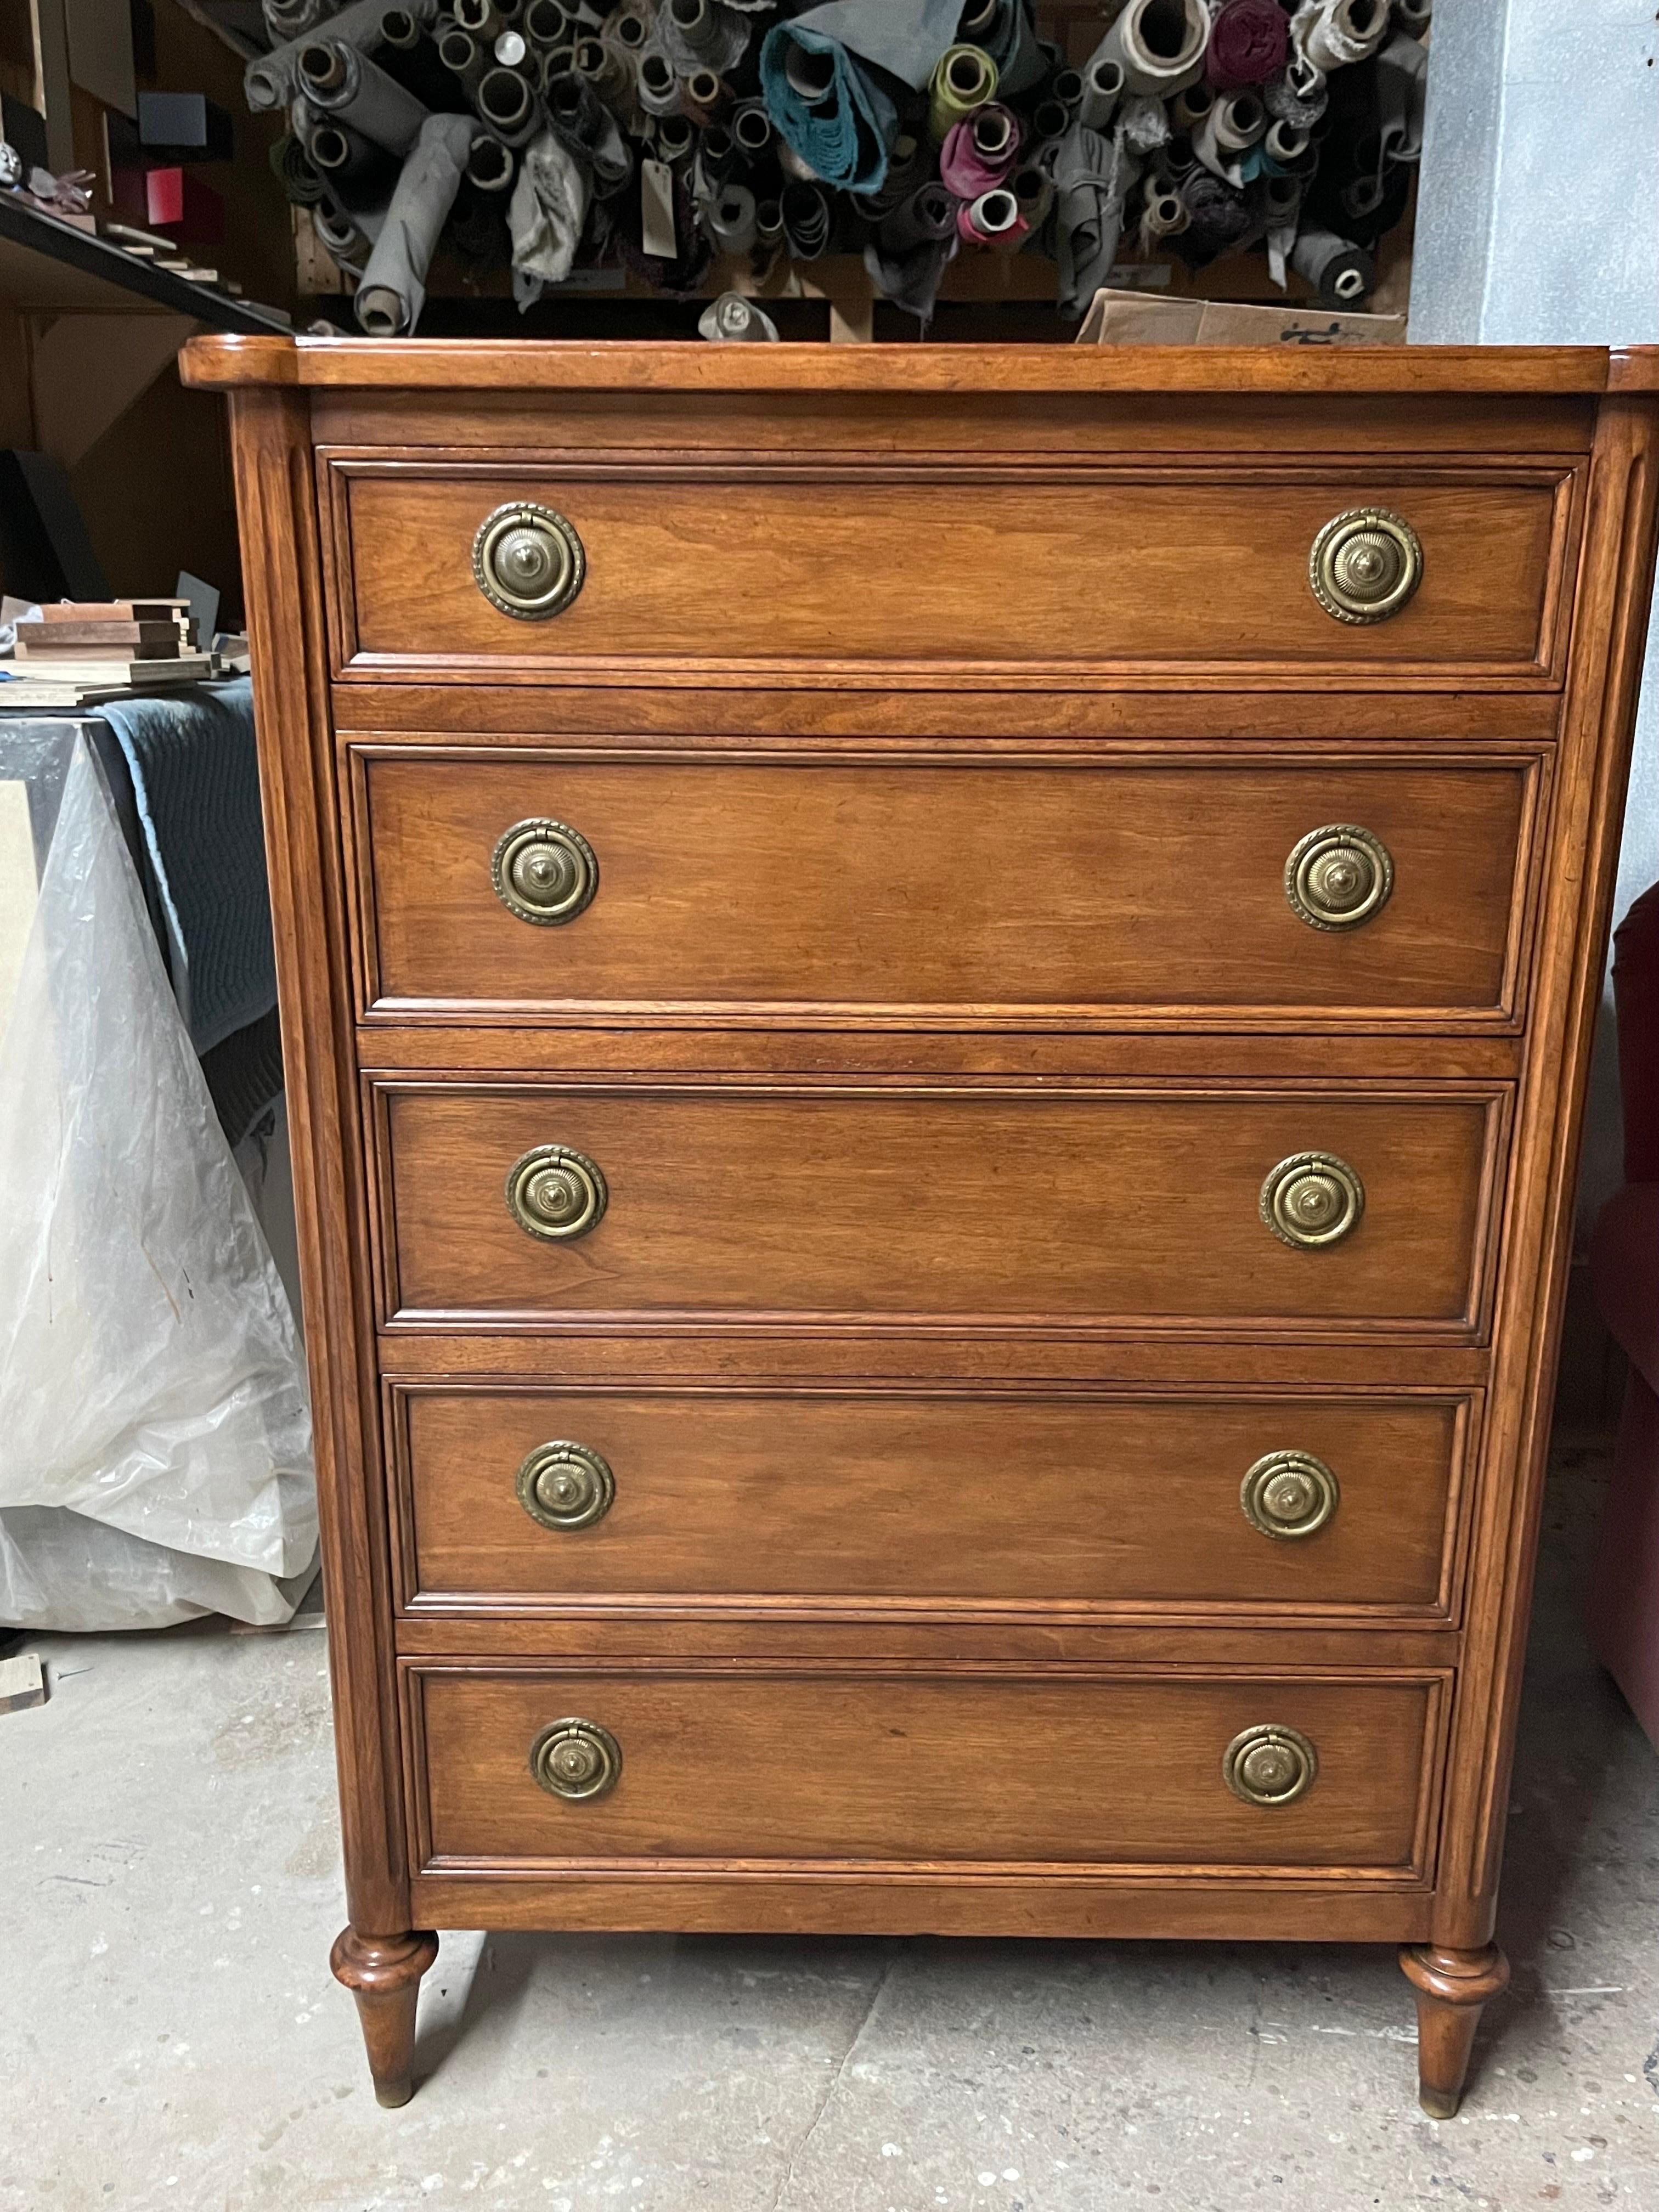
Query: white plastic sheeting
(154,1431)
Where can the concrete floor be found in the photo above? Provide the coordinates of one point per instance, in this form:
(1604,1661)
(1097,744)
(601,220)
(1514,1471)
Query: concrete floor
(170,2036)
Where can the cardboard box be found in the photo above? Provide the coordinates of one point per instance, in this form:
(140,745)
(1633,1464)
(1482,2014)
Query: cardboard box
(1140,319)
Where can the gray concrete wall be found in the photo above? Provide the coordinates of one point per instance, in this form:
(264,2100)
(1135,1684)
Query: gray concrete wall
(1539,224)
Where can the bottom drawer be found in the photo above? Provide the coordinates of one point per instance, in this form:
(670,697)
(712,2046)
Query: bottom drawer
(975,1766)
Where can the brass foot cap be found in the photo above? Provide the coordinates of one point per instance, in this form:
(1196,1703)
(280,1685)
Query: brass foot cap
(393,2093)
(1440,2104)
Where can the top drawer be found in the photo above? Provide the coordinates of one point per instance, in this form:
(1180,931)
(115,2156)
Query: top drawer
(672,569)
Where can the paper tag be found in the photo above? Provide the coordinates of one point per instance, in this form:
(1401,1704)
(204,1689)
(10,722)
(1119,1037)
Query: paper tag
(657,210)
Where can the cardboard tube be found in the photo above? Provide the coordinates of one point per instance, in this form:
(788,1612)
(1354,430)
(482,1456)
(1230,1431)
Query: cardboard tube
(706,96)
(1049,120)
(751,128)
(964,80)
(1159,44)
(483,18)
(1341,272)
(702,33)
(1189,108)
(1066,85)
(402,29)
(546,25)
(660,92)
(286,19)
(1103,89)
(768,222)
(1165,215)
(348,86)
(1033,187)
(491,166)
(509,105)
(993,219)
(730,217)
(677,136)
(340,155)
(1285,143)
(1337,33)
(464,58)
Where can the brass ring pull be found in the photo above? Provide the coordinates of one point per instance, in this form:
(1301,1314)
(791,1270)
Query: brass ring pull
(1270,1765)
(528,560)
(1366,565)
(565,1485)
(556,1193)
(543,871)
(1338,877)
(575,1759)
(1312,1199)
(1289,1494)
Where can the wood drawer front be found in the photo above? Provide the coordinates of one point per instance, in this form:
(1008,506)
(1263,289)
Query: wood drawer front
(934,565)
(958,890)
(977,1766)
(928,1502)
(873,1204)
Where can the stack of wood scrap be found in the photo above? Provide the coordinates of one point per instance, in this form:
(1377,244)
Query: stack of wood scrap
(82,650)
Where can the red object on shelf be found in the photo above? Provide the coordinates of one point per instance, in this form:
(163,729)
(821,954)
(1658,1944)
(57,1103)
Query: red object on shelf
(174,200)
(1624,1601)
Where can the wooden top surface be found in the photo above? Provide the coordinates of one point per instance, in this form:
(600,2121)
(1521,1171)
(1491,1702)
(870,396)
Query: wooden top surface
(222,361)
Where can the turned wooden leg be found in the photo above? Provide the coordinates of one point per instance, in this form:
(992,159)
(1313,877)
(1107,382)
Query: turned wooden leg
(1451,1987)
(383,1972)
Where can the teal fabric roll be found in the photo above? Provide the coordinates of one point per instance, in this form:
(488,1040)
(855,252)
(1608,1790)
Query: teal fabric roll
(843,133)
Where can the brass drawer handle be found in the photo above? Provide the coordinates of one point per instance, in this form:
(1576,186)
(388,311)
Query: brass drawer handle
(565,1485)
(1366,565)
(1289,1494)
(1312,1199)
(1338,877)
(556,1193)
(543,871)
(528,560)
(1270,1765)
(576,1758)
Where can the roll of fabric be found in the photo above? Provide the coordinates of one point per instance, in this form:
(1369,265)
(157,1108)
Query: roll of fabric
(582,120)
(1189,108)
(660,92)
(1414,16)
(294,172)
(393,289)
(730,217)
(903,37)
(1103,89)
(1249,40)
(1004,30)
(751,128)
(409,57)
(545,216)
(1336,33)
(703,35)
(490,167)
(1341,272)
(510,105)
(343,236)
(293,19)
(1402,69)
(1160,44)
(1163,215)
(676,137)
(1066,85)
(1299,95)
(268,81)
(964,79)
(978,153)
(463,58)
(608,70)
(911,281)
(705,97)
(344,158)
(832,111)
(733,320)
(1034,188)
(805,213)
(768,222)
(928,215)
(1234,122)
(993,219)
(1219,217)
(1093,174)
(1287,144)
(546,25)
(346,85)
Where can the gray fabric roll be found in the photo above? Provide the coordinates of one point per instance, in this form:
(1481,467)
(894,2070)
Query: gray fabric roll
(1159,54)
(545,216)
(928,215)
(581,119)
(703,35)
(267,81)
(1300,96)
(293,19)
(510,106)
(1092,176)
(1004,29)
(393,290)
(911,281)
(1341,272)
(659,91)
(353,89)
(733,320)
(904,37)
(1103,89)
(1403,71)
(729,215)
(1336,33)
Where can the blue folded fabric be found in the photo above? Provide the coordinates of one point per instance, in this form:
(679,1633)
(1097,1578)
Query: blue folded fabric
(195,777)
(903,37)
(844,134)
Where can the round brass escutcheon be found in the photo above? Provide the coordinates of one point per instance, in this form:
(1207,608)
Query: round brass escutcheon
(1366,565)
(1312,1199)
(1338,877)
(1269,1765)
(556,1193)
(566,1485)
(1289,1494)
(576,1758)
(528,560)
(543,871)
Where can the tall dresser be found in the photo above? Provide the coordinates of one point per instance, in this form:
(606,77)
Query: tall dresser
(937,1002)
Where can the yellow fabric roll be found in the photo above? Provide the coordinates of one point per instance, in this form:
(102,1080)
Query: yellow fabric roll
(965,79)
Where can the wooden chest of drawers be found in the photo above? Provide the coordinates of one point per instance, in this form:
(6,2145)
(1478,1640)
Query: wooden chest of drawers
(937,1002)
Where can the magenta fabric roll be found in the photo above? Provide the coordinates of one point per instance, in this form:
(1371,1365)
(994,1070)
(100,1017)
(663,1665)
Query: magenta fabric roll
(967,223)
(1249,40)
(963,169)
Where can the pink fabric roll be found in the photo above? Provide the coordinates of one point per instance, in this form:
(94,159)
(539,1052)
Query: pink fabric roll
(969,228)
(1249,40)
(963,169)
